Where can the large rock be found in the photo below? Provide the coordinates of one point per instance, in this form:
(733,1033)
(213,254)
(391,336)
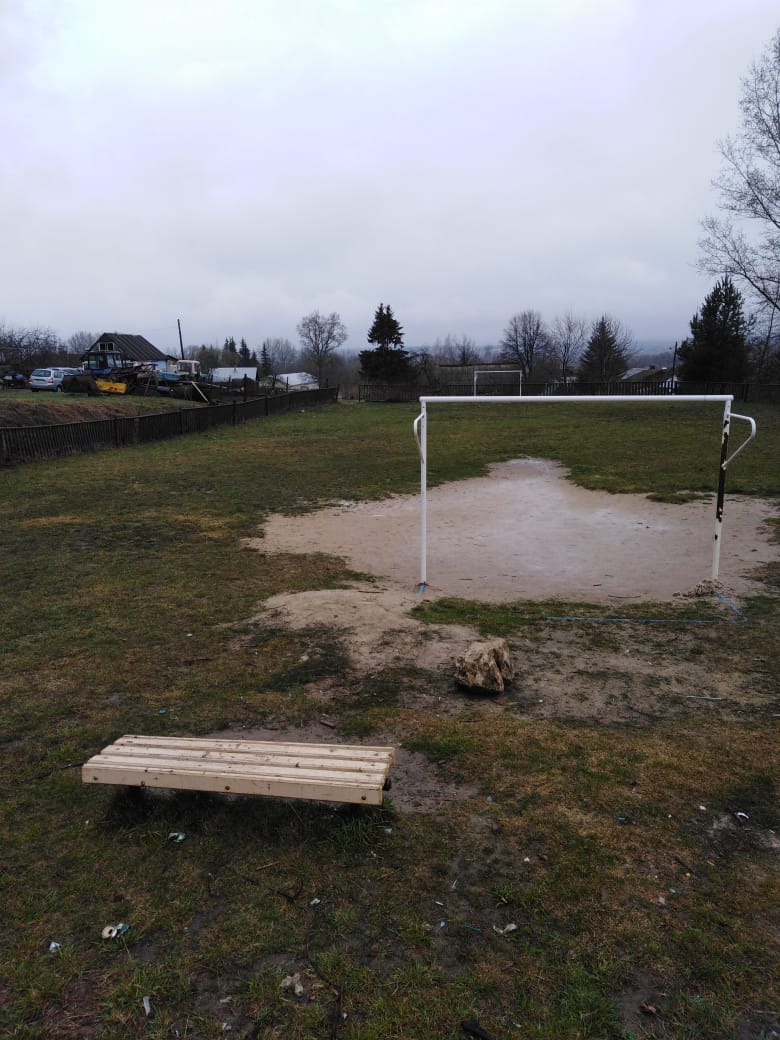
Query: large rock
(485,666)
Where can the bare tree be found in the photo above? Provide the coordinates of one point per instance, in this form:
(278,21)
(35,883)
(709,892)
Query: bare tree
(320,336)
(425,368)
(456,350)
(525,341)
(749,186)
(80,342)
(765,346)
(26,348)
(282,355)
(567,342)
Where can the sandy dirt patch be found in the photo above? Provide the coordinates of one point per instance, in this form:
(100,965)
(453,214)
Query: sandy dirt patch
(526,532)
(374,624)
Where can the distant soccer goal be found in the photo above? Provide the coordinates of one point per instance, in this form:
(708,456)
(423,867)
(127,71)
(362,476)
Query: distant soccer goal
(517,372)
(420,430)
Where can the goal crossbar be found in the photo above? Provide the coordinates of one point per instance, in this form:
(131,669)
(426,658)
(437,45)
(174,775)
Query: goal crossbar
(420,430)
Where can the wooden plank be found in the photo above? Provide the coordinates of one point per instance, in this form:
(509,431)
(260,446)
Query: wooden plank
(227,769)
(251,746)
(291,754)
(323,790)
(206,760)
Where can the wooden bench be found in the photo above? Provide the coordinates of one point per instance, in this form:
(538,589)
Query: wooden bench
(327,772)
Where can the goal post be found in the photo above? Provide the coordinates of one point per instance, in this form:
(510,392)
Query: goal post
(420,430)
(498,372)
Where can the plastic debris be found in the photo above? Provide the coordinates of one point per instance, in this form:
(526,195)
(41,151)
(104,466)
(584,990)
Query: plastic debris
(293,982)
(742,817)
(702,808)
(511,927)
(177,836)
(54,946)
(315,902)
(148,1007)
(112,931)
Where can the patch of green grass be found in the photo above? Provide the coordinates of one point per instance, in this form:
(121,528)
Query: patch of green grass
(446,744)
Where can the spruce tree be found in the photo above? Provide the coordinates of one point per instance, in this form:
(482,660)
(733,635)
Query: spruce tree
(717,349)
(389,363)
(606,355)
(385,331)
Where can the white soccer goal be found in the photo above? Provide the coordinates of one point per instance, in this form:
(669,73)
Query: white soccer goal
(420,429)
(498,372)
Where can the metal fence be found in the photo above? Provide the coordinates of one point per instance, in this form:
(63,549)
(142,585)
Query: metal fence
(386,393)
(33,443)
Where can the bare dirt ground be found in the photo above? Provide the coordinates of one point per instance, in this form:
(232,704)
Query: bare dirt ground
(526,533)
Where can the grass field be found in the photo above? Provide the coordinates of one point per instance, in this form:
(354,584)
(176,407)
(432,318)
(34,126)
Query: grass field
(643,904)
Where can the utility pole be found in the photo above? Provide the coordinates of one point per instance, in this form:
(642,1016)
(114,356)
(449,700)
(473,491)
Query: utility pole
(181,344)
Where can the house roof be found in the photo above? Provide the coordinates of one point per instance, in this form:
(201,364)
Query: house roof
(134,348)
(224,374)
(296,378)
(652,374)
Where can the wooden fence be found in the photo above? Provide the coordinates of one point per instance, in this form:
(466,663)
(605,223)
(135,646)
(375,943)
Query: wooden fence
(32,443)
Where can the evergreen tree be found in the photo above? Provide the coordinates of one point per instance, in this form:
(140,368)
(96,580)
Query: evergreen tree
(385,331)
(265,360)
(243,351)
(717,347)
(389,363)
(606,355)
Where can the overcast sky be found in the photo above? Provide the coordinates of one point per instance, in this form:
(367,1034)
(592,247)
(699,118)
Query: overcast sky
(240,164)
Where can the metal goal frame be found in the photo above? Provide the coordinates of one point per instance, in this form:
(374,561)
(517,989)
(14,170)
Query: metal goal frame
(420,431)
